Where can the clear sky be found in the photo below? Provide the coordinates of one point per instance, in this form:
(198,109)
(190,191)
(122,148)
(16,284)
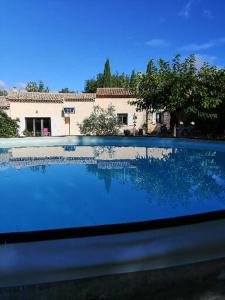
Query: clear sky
(64,42)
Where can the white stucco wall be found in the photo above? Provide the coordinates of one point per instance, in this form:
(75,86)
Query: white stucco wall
(122,106)
(22,110)
(83,109)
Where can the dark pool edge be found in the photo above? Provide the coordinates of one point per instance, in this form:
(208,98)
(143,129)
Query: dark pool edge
(91,231)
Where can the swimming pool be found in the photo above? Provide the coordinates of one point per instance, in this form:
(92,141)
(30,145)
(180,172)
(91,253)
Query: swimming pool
(96,183)
(80,207)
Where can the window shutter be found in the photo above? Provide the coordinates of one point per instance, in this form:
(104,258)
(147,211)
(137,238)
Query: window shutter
(130,119)
(154,118)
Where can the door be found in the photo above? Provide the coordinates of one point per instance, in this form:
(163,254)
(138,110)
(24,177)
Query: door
(38,126)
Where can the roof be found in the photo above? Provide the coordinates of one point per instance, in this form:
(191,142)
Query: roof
(113,93)
(79,97)
(3,102)
(34,97)
(15,96)
(49,97)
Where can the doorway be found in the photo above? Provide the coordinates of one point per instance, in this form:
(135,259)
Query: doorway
(38,126)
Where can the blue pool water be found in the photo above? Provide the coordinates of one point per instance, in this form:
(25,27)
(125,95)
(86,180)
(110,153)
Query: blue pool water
(108,182)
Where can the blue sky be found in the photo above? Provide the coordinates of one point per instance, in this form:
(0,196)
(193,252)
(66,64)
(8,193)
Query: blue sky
(64,42)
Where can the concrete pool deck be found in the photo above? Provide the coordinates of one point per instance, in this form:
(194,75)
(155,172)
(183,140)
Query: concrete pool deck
(30,263)
(201,281)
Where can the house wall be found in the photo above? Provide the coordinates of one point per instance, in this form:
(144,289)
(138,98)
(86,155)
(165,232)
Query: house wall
(122,106)
(83,109)
(24,110)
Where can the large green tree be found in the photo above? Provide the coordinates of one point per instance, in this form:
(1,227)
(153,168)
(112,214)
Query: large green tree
(187,92)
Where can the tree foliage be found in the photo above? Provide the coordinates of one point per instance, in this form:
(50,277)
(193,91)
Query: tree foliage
(8,127)
(40,87)
(3,92)
(65,91)
(107,74)
(101,122)
(183,89)
(106,79)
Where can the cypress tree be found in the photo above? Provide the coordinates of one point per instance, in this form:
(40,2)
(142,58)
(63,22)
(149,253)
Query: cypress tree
(133,80)
(107,74)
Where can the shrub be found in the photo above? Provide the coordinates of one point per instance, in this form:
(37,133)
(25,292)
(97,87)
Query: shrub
(127,132)
(8,126)
(101,122)
(27,133)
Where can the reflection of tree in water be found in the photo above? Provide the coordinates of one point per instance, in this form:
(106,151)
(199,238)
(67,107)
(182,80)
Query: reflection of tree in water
(102,174)
(106,150)
(180,177)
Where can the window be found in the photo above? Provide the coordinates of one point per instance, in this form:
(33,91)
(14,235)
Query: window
(159,118)
(69,110)
(123,118)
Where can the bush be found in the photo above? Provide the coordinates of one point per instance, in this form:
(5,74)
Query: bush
(127,132)
(8,127)
(27,133)
(101,122)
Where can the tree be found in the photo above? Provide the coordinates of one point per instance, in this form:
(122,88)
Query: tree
(32,86)
(147,91)
(65,91)
(107,74)
(90,86)
(8,127)
(3,92)
(179,87)
(107,80)
(42,88)
(101,122)
(120,80)
(133,80)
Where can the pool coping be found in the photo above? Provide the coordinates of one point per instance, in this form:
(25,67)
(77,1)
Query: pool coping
(90,231)
(122,141)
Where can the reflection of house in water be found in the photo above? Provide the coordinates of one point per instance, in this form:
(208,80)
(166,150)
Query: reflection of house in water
(4,159)
(102,157)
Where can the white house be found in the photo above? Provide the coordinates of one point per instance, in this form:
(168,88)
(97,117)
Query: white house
(59,114)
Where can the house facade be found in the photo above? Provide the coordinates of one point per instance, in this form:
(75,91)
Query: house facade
(60,114)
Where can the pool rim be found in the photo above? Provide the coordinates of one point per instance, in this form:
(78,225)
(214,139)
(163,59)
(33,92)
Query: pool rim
(102,230)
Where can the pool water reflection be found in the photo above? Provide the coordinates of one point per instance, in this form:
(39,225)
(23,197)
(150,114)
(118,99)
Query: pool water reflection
(74,186)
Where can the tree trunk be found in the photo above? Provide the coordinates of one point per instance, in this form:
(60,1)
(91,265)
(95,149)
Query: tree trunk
(173,123)
(147,114)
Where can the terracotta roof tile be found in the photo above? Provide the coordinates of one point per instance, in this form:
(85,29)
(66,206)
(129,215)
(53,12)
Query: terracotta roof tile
(34,97)
(79,97)
(114,93)
(49,97)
